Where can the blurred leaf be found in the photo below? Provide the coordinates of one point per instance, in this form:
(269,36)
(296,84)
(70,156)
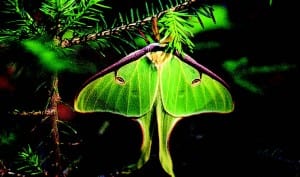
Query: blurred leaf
(53,60)
(7,138)
(221,18)
(240,72)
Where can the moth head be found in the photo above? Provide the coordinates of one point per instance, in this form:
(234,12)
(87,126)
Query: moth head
(159,57)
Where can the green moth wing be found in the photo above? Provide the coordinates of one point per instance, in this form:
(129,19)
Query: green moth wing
(127,87)
(129,91)
(186,90)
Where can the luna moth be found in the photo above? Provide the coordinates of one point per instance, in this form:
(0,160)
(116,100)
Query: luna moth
(152,83)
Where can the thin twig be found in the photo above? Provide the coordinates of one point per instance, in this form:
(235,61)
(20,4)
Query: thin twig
(45,113)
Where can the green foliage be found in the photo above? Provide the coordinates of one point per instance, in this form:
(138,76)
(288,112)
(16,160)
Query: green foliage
(84,20)
(59,17)
(175,25)
(21,26)
(29,162)
(73,14)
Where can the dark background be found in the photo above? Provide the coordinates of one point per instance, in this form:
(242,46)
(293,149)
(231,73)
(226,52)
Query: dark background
(259,139)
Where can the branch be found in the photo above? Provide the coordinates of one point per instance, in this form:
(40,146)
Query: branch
(45,113)
(55,133)
(116,30)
